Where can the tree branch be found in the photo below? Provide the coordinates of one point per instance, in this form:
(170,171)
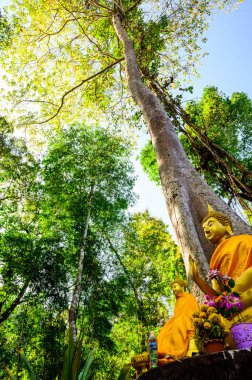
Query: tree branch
(46,34)
(87,36)
(75,88)
(102,6)
(217,153)
(138,2)
(16,302)
(121,263)
(139,302)
(53,19)
(36,101)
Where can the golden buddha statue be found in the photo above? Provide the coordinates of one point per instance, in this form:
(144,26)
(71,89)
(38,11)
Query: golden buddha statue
(175,339)
(232,256)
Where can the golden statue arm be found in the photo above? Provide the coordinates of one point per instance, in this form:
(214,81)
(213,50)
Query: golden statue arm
(193,271)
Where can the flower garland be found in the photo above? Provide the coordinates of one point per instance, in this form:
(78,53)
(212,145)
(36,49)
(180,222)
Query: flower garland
(225,302)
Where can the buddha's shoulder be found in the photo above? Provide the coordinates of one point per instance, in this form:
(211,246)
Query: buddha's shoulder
(241,238)
(234,241)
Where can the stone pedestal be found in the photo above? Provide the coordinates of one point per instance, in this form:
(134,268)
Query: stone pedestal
(225,365)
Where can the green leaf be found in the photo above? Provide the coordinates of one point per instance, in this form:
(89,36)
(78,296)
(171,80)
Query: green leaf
(236,294)
(27,365)
(84,375)
(77,359)
(231,283)
(10,374)
(68,358)
(124,372)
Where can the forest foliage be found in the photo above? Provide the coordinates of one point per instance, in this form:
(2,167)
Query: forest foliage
(125,282)
(225,123)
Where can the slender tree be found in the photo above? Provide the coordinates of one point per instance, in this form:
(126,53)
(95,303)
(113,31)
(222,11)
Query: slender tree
(92,178)
(56,260)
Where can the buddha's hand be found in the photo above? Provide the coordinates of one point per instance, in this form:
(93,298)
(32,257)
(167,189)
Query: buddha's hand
(193,270)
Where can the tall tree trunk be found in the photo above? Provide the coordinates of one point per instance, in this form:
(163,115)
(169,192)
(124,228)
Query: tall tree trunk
(186,193)
(77,289)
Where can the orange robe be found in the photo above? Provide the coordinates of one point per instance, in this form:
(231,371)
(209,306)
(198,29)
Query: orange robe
(233,256)
(173,338)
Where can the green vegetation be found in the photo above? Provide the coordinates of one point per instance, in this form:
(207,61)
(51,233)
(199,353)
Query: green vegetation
(82,281)
(216,134)
(124,278)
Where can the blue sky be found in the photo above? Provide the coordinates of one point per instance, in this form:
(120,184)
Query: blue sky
(228,65)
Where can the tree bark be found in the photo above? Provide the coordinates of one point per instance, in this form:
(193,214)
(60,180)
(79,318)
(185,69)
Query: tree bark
(77,289)
(185,192)
(14,304)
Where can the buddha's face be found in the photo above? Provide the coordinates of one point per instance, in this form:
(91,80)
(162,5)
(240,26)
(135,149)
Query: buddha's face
(176,288)
(215,231)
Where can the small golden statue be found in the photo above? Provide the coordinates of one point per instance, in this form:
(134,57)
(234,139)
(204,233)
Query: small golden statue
(175,339)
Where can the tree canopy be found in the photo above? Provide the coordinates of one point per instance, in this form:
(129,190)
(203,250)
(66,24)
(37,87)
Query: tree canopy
(64,52)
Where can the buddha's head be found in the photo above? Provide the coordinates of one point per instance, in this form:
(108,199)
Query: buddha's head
(178,285)
(217,226)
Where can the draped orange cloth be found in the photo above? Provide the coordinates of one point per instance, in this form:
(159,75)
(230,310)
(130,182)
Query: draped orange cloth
(173,338)
(233,256)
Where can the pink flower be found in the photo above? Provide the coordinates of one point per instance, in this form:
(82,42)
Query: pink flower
(215,273)
(209,301)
